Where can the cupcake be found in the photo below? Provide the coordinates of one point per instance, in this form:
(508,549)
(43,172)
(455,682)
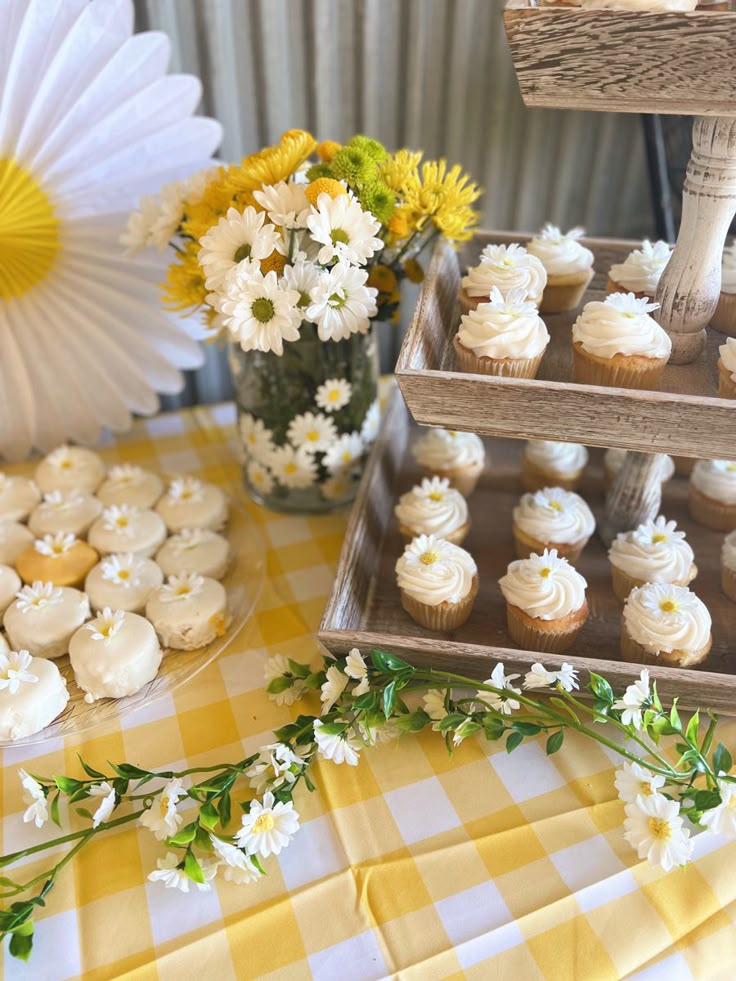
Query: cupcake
(188,611)
(505,267)
(546,606)
(114,655)
(665,624)
(195,550)
(724,318)
(433,508)
(131,485)
(640,271)
(727,368)
(505,336)
(59,559)
(14,539)
(613,460)
(712,494)
(458,456)
(33,695)
(44,617)
(569,267)
(552,518)
(547,463)
(70,468)
(192,503)
(127,529)
(617,343)
(438,583)
(68,512)
(728,566)
(653,552)
(18,497)
(123,582)
(10,584)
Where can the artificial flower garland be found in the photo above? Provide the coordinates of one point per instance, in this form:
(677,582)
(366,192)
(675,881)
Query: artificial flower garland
(364,703)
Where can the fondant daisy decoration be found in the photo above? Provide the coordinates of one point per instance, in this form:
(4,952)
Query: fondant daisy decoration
(181,588)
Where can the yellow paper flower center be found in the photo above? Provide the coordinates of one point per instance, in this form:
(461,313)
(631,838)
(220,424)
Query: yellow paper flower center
(263,823)
(291,468)
(123,574)
(29,231)
(122,522)
(656,539)
(555,505)
(183,590)
(106,629)
(333,395)
(645,788)
(435,496)
(164,806)
(57,549)
(347,456)
(668,606)
(429,558)
(313,435)
(660,829)
(545,572)
(66,464)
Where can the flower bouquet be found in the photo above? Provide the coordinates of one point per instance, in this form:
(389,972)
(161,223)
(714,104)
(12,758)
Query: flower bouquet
(292,254)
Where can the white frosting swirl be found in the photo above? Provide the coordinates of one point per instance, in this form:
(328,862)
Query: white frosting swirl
(554,515)
(433,571)
(505,327)
(728,551)
(727,352)
(641,269)
(560,458)
(432,508)
(653,552)
(621,325)
(716,479)
(506,267)
(446,449)
(561,254)
(544,586)
(728,269)
(667,618)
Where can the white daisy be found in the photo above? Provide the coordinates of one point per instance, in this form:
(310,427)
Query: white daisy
(635,699)
(293,468)
(38,595)
(234,238)
(344,230)
(259,314)
(276,765)
(122,569)
(630,304)
(346,451)
(54,546)
(126,473)
(239,867)
(301,276)
(371,424)
(170,214)
(499,679)
(181,588)
(267,827)
(33,795)
(169,872)
(183,490)
(276,667)
(60,500)
(540,677)
(107,804)
(334,394)
(338,487)
(260,477)
(258,440)
(341,303)
(286,204)
(162,817)
(654,828)
(357,669)
(137,234)
(337,747)
(311,432)
(433,704)
(721,820)
(14,671)
(633,781)
(106,624)
(119,517)
(332,688)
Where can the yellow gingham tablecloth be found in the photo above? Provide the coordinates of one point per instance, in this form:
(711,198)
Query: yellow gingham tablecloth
(411,865)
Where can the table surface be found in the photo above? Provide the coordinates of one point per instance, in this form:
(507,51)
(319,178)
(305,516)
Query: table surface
(410,865)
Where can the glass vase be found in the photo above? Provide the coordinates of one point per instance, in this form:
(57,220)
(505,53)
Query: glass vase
(307,419)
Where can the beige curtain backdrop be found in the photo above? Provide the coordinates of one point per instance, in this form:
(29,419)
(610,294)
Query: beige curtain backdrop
(434,74)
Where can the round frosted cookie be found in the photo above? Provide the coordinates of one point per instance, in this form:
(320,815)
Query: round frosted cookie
(32,694)
(123,582)
(131,485)
(60,559)
(70,512)
(121,528)
(14,539)
(188,612)
(44,617)
(195,550)
(9,585)
(114,655)
(70,468)
(18,497)
(192,503)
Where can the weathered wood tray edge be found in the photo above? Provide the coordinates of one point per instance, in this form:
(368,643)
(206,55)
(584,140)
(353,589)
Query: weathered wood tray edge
(343,622)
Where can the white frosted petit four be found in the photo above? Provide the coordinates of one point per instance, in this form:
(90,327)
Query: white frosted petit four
(44,617)
(195,550)
(70,468)
(18,497)
(69,512)
(131,485)
(188,611)
(4,646)
(114,655)
(123,582)
(192,503)
(121,528)
(10,584)
(14,539)
(32,694)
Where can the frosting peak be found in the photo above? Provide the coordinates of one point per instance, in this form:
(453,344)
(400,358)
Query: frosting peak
(433,571)
(621,325)
(544,586)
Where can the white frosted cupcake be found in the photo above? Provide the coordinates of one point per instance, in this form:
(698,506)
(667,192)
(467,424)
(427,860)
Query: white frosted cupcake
(18,497)
(505,267)
(569,267)
(70,468)
(505,336)
(114,655)
(458,456)
(552,518)
(32,694)
(712,494)
(641,270)
(433,508)
(548,463)
(438,583)
(14,540)
(195,550)
(192,503)
(44,617)
(545,602)
(653,552)
(728,566)
(724,318)
(613,460)
(123,582)
(665,624)
(10,584)
(131,485)
(68,512)
(188,611)
(727,368)
(126,529)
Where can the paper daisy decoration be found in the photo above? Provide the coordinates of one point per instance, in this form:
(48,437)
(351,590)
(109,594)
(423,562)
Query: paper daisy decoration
(89,122)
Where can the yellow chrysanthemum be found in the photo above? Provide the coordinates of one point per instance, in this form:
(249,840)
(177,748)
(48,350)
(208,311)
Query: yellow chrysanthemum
(184,288)
(400,224)
(324,185)
(275,163)
(382,279)
(214,202)
(401,168)
(327,149)
(274,262)
(444,196)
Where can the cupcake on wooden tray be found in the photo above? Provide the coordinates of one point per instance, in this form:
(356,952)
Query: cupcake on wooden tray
(18,497)
(433,508)
(724,318)
(728,566)
(654,552)
(641,270)
(569,267)
(505,336)
(712,494)
(615,342)
(613,460)
(552,518)
(59,559)
(548,463)
(70,468)
(438,583)
(665,624)
(727,369)
(506,267)
(458,456)
(546,605)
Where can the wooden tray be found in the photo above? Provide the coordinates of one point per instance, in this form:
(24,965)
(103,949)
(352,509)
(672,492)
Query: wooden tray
(624,61)
(364,609)
(686,418)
